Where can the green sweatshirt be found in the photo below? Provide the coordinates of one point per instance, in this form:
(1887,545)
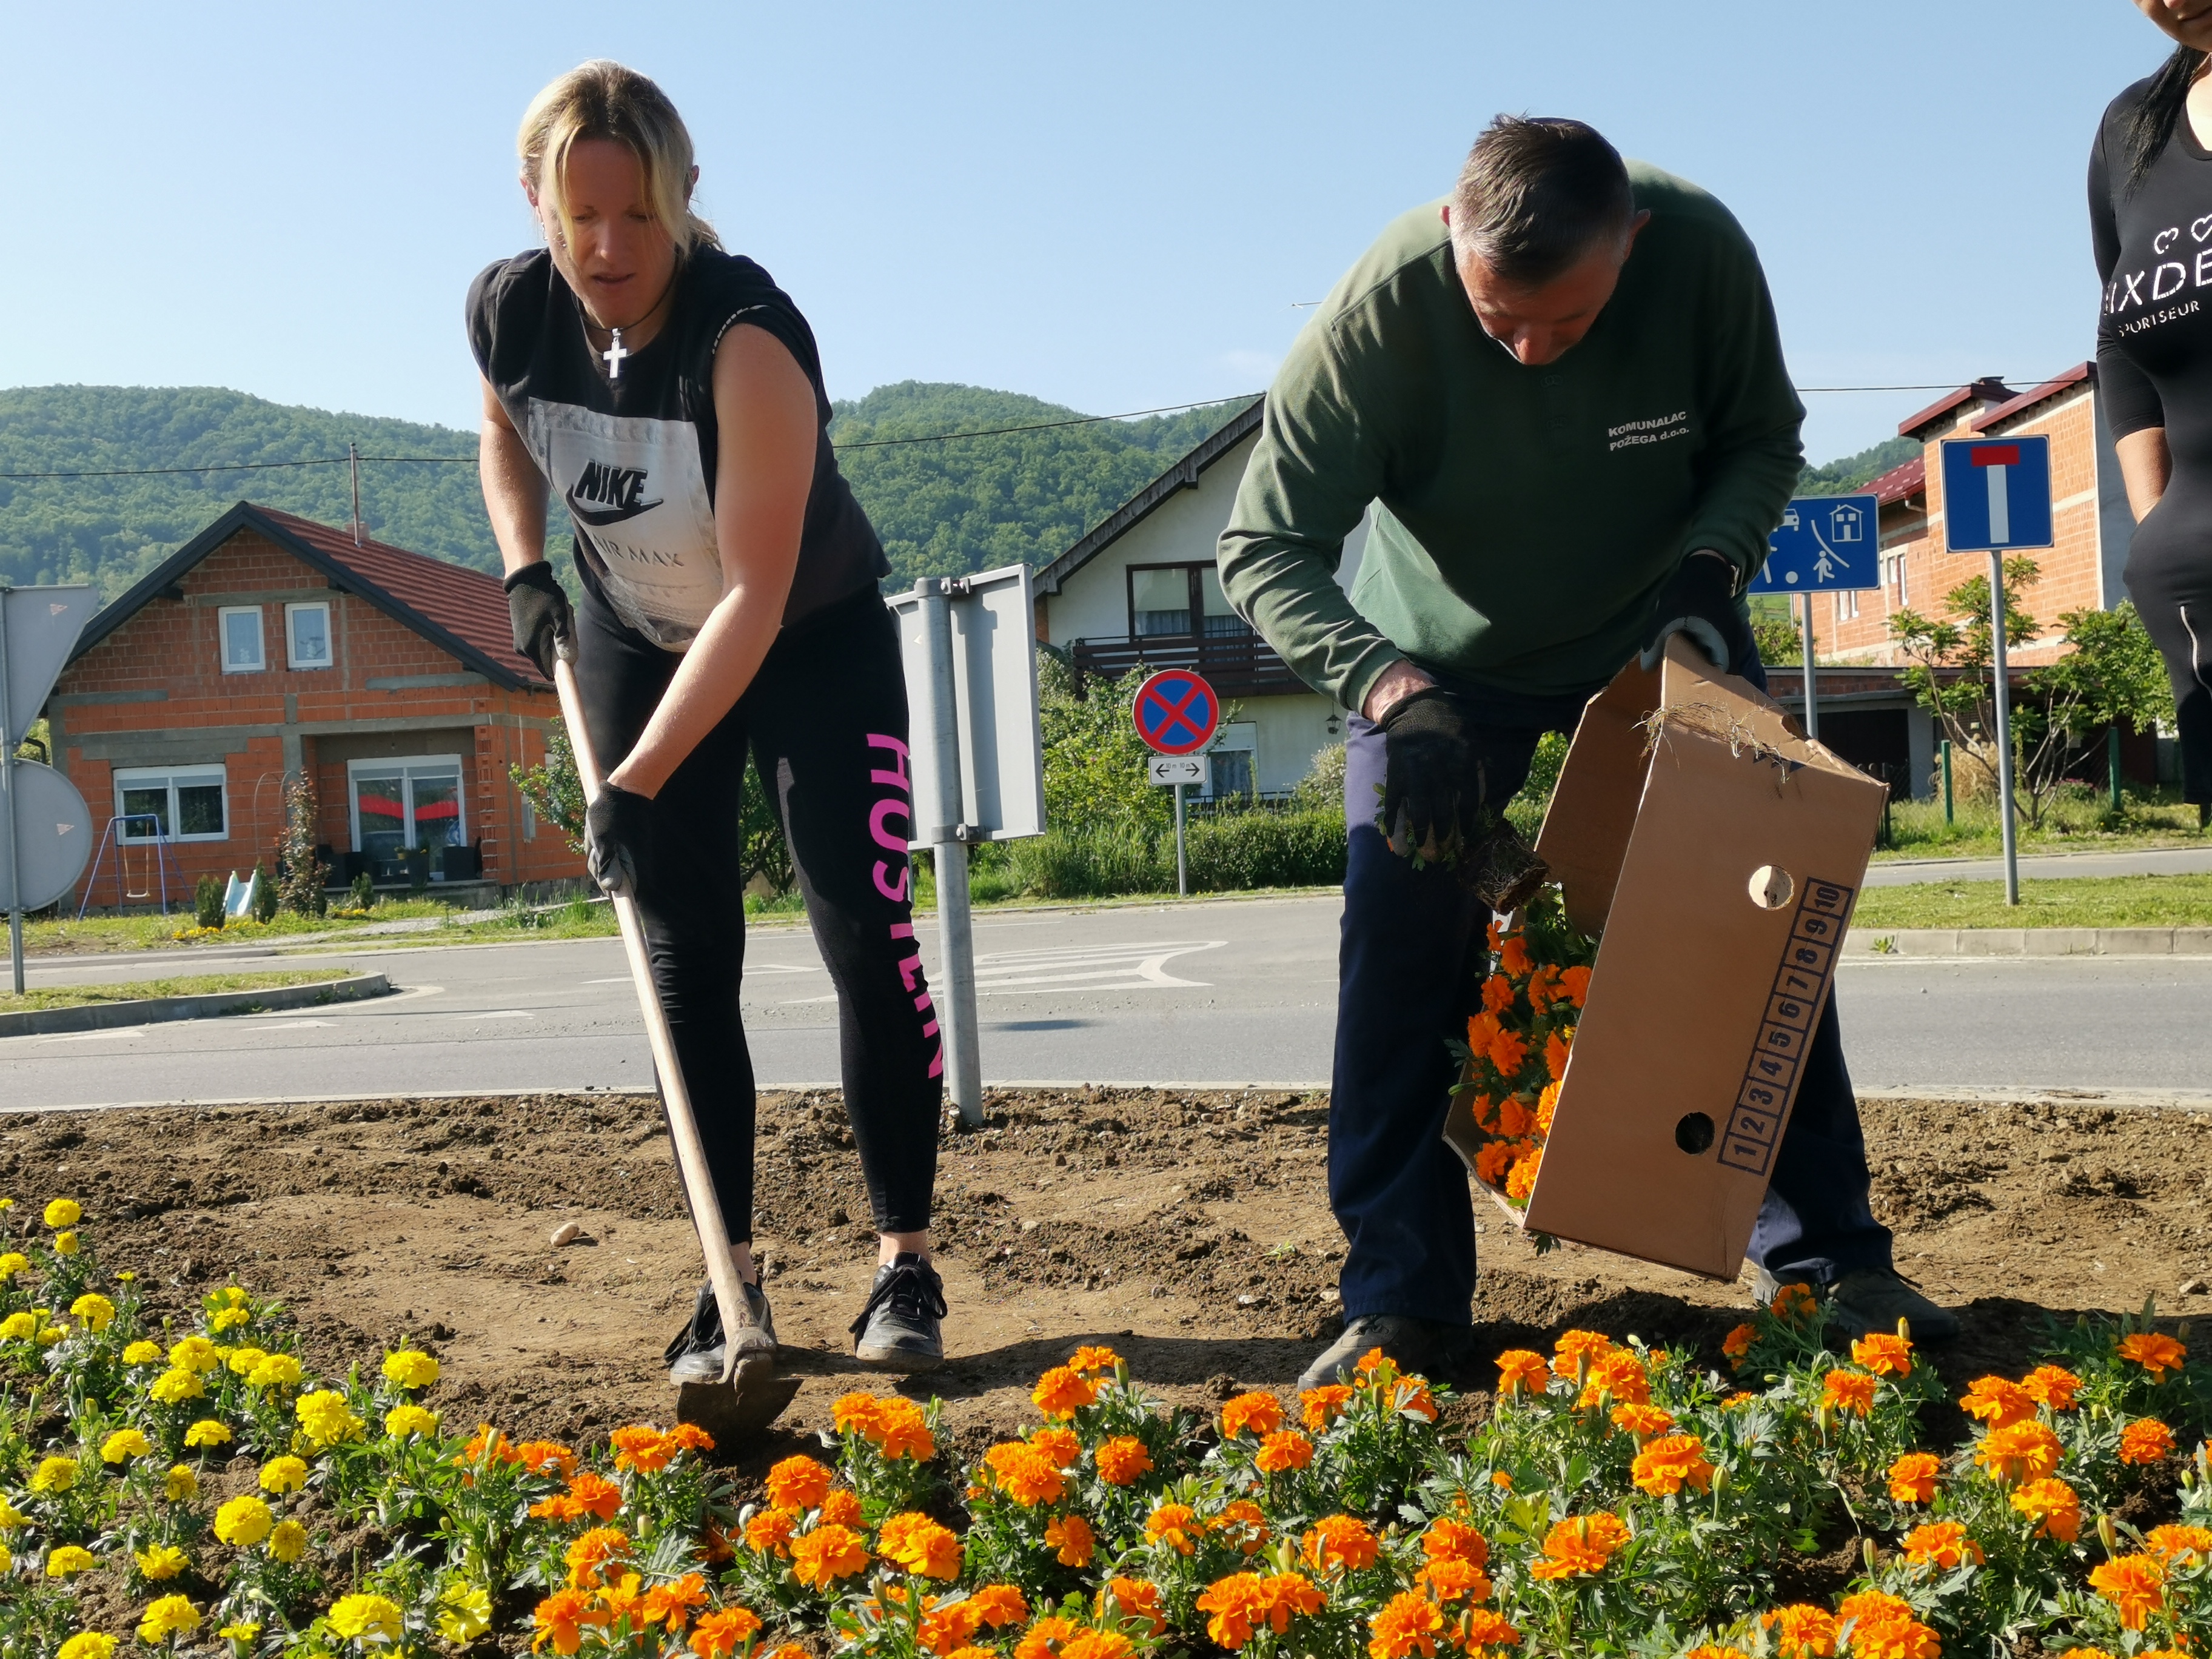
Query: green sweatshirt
(1524,518)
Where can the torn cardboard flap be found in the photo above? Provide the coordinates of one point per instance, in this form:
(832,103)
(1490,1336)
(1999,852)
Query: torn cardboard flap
(1720,852)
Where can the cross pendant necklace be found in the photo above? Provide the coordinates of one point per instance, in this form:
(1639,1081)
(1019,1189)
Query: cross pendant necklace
(615,351)
(615,354)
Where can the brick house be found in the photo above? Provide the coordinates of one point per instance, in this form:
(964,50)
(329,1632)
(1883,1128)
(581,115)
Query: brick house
(270,645)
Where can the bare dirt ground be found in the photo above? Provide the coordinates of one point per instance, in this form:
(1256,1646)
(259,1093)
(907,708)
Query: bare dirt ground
(1190,1229)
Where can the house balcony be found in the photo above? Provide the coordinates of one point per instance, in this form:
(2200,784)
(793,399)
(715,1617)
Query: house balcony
(1240,665)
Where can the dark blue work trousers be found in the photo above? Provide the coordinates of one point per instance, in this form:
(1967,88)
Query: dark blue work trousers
(1410,972)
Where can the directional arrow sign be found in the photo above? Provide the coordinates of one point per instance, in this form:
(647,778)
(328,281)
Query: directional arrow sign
(1191,770)
(42,627)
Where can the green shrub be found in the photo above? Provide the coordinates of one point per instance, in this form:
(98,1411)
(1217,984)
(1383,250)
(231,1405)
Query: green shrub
(1239,850)
(1094,862)
(363,892)
(206,903)
(264,896)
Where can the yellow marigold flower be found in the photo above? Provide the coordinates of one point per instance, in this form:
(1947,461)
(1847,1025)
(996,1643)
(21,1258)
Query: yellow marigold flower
(123,1445)
(1665,1466)
(856,1413)
(159,1562)
(323,1413)
(87,1644)
(64,1212)
(720,1634)
(2146,1440)
(97,1312)
(919,1545)
(65,1244)
(67,1560)
(142,1353)
(1883,1627)
(402,1421)
(1259,1413)
(180,1485)
(283,1474)
(1122,1460)
(278,1370)
(1062,1391)
(1520,1179)
(228,1320)
(10,1516)
(207,1432)
(173,1387)
(1617,1373)
(19,1326)
(288,1541)
(1884,1353)
(464,1613)
(194,1353)
(52,1335)
(2153,1351)
(1848,1391)
(1939,1544)
(243,1521)
(2135,1585)
(902,1431)
(1913,1477)
(2054,1506)
(2017,1452)
(54,1475)
(171,1615)
(11,1263)
(242,1359)
(410,1369)
(357,1616)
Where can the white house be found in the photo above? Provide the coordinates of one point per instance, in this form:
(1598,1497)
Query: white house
(1141,587)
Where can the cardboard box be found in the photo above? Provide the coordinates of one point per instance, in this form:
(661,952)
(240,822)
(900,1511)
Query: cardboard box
(1718,851)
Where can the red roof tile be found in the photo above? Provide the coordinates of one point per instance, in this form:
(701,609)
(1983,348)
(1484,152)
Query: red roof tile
(1987,388)
(2026,400)
(1899,482)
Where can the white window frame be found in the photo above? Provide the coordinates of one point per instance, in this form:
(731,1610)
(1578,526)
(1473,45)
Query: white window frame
(170,778)
(223,617)
(1847,603)
(330,639)
(1242,737)
(406,766)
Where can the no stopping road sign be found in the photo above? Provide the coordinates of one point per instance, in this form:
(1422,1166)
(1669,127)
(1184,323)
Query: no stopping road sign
(1176,711)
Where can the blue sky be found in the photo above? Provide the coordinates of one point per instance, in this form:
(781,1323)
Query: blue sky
(1114,208)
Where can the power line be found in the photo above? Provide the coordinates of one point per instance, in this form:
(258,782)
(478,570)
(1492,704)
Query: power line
(1044,426)
(246,466)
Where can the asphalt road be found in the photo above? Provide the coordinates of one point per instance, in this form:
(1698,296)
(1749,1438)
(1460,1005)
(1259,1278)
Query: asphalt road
(1205,992)
(2043,867)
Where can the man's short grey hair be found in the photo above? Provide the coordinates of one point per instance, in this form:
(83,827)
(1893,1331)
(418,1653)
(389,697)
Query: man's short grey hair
(1537,193)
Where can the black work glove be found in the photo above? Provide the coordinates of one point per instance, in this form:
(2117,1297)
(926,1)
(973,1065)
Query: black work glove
(544,626)
(618,838)
(1432,780)
(1699,600)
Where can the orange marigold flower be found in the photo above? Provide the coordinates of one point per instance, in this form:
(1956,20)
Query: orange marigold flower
(1575,981)
(1447,1540)
(1262,1413)
(1407,1624)
(841,1507)
(1482,1030)
(720,1634)
(1997,1401)
(1642,1421)
(1479,1632)
(641,1447)
(1231,1605)
(560,1619)
(2171,1541)
(1122,1460)
(1665,1466)
(1557,1047)
(1509,1052)
(1098,1644)
(1339,1543)
(1090,1358)
(1025,1474)
(671,1604)
(1520,1179)
(2146,1440)
(2155,1351)
(546,1457)
(1884,1353)
(1455,1581)
(1618,1373)
(1285,1449)
(1063,1446)
(856,1413)
(1243,1525)
(798,1484)
(947,1627)
(1493,1161)
(2017,1452)
(1514,1119)
(1497,994)
(1063,1391)
(1072,1540)
(1286,1596)
(1568,1352)
(1519,1372)
(1174,1525)
(1000,1605)
(769,1533)
(1736,1346)
(2136,1584)
(1513,956)
(1548,1103)
(1322,1407)
(1793,1302)
(919,1545)
(1802,1631)
(901,1430)
(588,1494)
(590,1554)
(1715,1650)
(2054,1506)
(1042,1640)
(1883,1627)
(1133,1598)
(1848,1391)
(828,1553)
(2054,1385)
(1579,1545)
(1939,1544)
(1913,1477)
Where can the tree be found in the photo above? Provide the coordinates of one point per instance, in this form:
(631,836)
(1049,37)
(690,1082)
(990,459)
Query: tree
(299,880)
(1094,761)
(553,788)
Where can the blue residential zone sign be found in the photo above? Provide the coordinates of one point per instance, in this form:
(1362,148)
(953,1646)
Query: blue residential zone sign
(1825,544)
(1997,494)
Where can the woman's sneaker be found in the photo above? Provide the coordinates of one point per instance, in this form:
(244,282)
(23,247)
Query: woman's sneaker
(898,1331)
(697,1352)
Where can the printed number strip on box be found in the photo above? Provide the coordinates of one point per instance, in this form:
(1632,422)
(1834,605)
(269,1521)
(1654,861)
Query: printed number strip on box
(1808,962)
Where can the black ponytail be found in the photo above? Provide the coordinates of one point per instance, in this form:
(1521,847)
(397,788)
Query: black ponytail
(2150,128)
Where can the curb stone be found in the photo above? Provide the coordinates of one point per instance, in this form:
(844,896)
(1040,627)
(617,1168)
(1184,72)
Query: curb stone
(148,1010)
(2029,942)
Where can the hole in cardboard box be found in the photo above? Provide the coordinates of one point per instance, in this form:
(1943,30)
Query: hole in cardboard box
(1770,887)
(1694,1133)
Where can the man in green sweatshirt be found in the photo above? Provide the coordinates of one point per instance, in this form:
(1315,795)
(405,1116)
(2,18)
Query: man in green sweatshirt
(1561,394)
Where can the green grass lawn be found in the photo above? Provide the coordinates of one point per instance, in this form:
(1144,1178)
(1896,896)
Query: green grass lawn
(2078,901)
(2079,821)
(154,932)
(73,996)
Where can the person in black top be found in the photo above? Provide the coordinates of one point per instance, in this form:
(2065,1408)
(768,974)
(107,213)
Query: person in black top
(2150,219)
(671,395)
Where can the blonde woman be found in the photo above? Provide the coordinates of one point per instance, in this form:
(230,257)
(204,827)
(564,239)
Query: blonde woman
(671,395)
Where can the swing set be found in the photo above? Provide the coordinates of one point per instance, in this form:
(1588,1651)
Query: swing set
(155,862)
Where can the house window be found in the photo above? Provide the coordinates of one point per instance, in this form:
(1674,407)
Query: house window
(184,804)
(240,628)
(308,635)
(1165,599)
(1229,761)
(412,801)
(1847,603)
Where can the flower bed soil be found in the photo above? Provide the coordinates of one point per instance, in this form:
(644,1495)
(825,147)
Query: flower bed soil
(1190,1230)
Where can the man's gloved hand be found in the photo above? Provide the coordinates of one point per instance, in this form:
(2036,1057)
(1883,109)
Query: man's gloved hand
(544,626)
(1699,600)
(618,838)
(1432,780)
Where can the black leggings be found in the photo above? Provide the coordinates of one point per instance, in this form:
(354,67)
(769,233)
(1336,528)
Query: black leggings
(826,721)
(2170,579)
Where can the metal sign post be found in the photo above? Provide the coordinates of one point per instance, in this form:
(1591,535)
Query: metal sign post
(1996,496)
(1811,671)
(9,869)
(976,768)
(1824,544)
(45,829)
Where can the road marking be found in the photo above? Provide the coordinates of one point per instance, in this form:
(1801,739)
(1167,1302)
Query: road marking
(494,1013)
(1138,967)
(290,1024)
(90,1036)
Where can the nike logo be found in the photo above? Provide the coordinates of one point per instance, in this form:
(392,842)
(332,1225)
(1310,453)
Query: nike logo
(604,495)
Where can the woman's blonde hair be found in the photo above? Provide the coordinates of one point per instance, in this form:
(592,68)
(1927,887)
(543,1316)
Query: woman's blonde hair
(604,99)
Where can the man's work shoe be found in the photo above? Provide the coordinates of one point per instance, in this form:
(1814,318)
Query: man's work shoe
(1870,1299)
(898,1331)
(698,1352)
(1421,1346)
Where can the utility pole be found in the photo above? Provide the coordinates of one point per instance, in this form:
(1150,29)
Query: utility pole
(353,462)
